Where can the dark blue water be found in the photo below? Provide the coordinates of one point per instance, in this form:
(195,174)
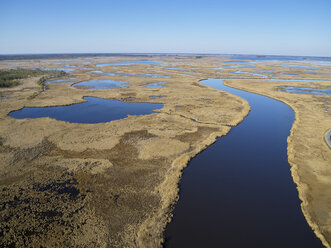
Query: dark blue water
(94,110)
(310,91)
(134,62)
(101,84)
(239,191)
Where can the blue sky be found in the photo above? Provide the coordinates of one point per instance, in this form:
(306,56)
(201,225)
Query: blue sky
(288,27)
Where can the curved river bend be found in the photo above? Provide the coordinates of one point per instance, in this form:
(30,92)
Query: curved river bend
(239,192)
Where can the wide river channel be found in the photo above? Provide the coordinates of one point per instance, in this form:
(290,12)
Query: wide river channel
(239,191)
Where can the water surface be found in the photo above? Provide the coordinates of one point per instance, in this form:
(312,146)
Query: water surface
(107,74)
(101,84)
(155,85)
(249,73)
(298,66)
(94,110)
(239,191)
(95,71)
(306,90)
(177,69)
(133,62)
(238,61)
(153,75)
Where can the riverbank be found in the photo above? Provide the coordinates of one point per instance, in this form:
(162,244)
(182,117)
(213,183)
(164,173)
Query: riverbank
(308,154)
(328,138)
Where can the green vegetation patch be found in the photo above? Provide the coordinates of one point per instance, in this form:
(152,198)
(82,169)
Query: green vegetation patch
(10,78)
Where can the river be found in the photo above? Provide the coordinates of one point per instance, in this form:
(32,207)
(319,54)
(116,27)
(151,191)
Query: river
(239,191)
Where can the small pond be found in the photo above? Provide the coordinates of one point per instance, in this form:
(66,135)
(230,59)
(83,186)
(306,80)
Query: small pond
(310,91)
(154,75)
(107,74)
(177,69)
(298,66)
(249,73)
(95,71)
(101,84)
(155,85)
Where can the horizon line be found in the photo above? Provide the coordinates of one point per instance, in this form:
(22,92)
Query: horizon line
(157,53)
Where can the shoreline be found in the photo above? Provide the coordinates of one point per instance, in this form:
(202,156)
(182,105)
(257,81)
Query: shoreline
(328,138)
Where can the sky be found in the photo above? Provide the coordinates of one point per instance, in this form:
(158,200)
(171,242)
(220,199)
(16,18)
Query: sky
(275,27)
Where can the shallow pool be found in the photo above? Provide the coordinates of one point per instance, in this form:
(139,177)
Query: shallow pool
(177,69)
(101,84)
(155,85)
(154,75)
(298,66)
(306,90)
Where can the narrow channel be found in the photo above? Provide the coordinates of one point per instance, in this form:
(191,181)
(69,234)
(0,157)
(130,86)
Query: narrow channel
(239,192)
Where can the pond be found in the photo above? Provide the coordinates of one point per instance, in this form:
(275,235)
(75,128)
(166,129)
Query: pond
(177,69)
(298,66)
(95,71)
(154,75)
(101,84)
(249,73)
(155,85)
(306,90)
(94,110)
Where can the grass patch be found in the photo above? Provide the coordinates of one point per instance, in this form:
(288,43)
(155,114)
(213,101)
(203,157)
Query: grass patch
(10,78)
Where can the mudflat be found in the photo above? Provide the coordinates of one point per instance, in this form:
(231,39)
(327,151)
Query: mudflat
(114,183)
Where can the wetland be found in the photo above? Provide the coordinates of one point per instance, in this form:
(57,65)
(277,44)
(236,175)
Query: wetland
(100,162)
